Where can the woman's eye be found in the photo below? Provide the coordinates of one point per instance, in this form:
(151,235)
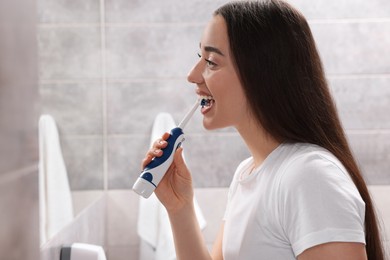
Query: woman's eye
(210,63)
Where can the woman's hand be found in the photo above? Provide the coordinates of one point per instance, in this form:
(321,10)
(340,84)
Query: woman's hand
(175,189)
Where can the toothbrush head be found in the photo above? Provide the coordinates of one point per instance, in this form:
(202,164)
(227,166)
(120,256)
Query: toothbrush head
(205,101)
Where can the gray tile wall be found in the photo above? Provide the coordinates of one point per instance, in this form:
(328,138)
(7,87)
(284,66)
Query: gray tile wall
(108,67)
(19,228)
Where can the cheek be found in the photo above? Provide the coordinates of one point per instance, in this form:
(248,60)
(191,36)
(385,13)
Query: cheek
(234,92)
(239,107)
(226,88)
(233,103)
(219,84)
(238,102)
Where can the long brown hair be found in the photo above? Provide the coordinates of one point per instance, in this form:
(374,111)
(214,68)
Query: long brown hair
(282,75)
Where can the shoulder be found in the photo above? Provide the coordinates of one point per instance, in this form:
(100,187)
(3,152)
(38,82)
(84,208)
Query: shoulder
(318,201)
(312,164)
(313,175)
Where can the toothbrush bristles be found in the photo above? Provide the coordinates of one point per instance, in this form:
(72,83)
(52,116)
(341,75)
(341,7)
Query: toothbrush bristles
(204,102)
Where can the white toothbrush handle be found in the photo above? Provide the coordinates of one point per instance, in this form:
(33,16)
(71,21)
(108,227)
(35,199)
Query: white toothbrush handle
(151,176)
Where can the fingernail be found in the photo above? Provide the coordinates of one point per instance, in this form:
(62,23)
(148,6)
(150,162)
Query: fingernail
(156,151)
(162,142)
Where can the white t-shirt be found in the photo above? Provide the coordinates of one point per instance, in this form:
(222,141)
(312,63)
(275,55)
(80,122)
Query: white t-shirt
(301,196)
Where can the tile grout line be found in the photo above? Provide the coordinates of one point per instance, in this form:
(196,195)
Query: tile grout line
(104,94)
(197,24)
(104,122)
(358,76)
(373,131)
(113,80)
(222,134)
(131,80)
(348,20)
(118,25)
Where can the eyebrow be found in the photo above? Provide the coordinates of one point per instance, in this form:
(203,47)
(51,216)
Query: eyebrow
(213,49)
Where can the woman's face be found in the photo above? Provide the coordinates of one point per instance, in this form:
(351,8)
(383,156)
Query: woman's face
(215,76)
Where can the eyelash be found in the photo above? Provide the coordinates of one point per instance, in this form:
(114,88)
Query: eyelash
(209,62)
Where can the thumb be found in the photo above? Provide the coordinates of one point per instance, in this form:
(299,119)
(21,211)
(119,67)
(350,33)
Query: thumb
(180,165)
(179,160)
(178,157)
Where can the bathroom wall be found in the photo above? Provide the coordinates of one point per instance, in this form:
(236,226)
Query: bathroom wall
(108,67)
(19,229)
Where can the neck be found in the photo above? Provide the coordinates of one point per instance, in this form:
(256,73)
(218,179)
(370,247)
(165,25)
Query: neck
(258,141)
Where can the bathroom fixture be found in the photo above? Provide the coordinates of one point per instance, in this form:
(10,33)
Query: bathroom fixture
(80,251)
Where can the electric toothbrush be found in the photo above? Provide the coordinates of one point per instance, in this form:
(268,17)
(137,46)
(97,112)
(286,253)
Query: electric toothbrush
(152,174)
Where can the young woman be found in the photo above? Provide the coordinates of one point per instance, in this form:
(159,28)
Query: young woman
(300,195)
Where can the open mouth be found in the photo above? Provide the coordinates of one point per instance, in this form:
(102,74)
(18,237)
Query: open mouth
(206,103)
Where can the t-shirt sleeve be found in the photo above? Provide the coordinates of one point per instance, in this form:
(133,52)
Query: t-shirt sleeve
(319,204)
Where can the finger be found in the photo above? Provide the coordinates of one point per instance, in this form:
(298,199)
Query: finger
(181,167)
(179,160)
(146,161)
(160,143)
(165,136)
(154,152)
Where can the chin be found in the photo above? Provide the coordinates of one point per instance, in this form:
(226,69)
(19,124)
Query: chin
(207,126)
(210,125)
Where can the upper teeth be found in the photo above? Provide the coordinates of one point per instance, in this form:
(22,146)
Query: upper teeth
(205,97)
(205,100)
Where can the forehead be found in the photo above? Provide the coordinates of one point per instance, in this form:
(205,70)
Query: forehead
(215,34)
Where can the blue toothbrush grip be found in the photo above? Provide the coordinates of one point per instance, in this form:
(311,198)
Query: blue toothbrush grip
(168,150)
(156,169)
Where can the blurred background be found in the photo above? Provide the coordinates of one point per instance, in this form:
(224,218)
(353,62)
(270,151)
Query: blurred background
(104,69)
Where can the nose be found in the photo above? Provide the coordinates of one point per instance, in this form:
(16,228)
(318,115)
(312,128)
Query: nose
(195,74)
